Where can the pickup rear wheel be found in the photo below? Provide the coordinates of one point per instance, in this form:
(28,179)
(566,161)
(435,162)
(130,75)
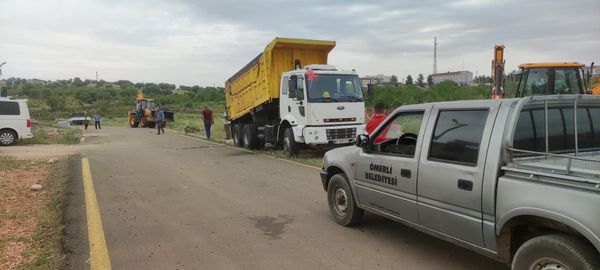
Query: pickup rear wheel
(7,137)
(549,252)
(341,201)
(290,146)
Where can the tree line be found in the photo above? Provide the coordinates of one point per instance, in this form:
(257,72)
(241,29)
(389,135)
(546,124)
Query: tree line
(62,97)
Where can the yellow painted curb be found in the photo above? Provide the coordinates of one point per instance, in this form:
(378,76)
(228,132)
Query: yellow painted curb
(99,259)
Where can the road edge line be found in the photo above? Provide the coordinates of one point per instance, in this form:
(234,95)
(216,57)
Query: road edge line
(242,149)
(99,259)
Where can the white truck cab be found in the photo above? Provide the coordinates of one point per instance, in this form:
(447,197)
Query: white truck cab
(15,122)
(323,105)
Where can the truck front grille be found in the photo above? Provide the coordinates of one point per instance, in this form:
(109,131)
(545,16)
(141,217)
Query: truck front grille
(341,133)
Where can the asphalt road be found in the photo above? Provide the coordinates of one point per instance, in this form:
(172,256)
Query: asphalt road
(171,202)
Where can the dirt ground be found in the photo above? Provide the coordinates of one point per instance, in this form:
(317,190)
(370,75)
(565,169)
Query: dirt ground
(20,209)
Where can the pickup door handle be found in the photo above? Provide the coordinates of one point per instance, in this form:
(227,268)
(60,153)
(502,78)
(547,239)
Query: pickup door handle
(405,173)
(465,184)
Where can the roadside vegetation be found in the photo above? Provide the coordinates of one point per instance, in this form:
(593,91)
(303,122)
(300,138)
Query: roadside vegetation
(45,133)
(31,221)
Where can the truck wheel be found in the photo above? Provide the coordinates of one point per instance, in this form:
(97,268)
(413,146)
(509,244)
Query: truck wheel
(237,134)
(152,125)
(290,146)
(341,202)
(133,121)
(556,252)
(250,136)
(7,137)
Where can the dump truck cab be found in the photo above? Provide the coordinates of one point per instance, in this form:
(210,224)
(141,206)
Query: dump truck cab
(318,97)
(551,79)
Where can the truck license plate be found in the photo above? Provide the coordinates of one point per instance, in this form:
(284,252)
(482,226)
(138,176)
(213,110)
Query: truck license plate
(341,141)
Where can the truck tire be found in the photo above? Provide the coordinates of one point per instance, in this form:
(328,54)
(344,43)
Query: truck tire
(341,201)
(7,137)
(144,122)
(151,125)
(133,121)
(250,136)
(237,134)
(290,146)
(556,252)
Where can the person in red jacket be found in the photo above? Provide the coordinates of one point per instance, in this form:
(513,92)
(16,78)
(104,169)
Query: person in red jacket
(377,118)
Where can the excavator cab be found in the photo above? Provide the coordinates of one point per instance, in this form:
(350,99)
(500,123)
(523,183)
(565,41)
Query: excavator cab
(551,79)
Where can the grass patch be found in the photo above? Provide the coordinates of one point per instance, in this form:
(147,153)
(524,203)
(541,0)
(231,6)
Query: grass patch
(194,121)
(114,121)
(44,133)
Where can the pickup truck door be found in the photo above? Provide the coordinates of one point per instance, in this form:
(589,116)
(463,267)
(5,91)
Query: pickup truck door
(386,174)
(451,170)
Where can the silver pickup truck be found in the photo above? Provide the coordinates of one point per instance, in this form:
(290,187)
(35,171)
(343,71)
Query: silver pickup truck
(515,179)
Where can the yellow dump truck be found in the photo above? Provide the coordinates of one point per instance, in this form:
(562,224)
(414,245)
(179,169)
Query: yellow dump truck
(288,95)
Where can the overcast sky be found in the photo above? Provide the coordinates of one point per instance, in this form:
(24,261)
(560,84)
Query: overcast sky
(205,42)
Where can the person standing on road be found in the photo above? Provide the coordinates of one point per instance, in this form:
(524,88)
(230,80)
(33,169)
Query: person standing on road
(160,121)
(377,118)
(226,124)
(207,117)
(86,120)
(97,120)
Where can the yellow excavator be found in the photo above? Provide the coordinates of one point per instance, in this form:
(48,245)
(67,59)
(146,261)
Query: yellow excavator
(143,112)
(539,78)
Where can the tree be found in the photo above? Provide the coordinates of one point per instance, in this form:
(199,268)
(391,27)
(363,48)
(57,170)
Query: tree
(420,80)
(77,82)
(430,81)
(394,79)
(409,80)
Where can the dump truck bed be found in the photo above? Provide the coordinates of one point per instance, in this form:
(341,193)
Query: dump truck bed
(258,82)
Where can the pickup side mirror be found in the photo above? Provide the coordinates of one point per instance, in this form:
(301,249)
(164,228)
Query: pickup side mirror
(292,86)
(363,141)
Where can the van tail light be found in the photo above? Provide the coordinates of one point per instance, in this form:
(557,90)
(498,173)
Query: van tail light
(28,123)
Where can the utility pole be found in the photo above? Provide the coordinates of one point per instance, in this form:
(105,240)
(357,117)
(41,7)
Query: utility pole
(435,55)
(2,93)
(96,76)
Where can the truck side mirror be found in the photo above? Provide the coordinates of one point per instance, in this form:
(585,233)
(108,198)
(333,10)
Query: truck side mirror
(292,84)
(363,141)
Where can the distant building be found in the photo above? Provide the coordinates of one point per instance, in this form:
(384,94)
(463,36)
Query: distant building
(377,79)
(463,77)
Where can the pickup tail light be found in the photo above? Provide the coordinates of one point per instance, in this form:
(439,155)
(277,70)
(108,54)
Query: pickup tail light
(28,123)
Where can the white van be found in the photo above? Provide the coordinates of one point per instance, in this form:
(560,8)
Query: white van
(14,121)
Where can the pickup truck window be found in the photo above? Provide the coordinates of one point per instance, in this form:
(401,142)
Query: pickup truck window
(531,130)
(399,136)
(457,136)
(9,108)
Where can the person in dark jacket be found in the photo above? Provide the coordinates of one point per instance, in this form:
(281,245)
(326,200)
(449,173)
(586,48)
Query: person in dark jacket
(207,117)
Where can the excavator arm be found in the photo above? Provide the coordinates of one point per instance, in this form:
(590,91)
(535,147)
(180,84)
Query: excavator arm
(498,73)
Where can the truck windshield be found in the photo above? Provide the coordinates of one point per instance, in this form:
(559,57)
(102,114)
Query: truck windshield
(550,81)
(333,88)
